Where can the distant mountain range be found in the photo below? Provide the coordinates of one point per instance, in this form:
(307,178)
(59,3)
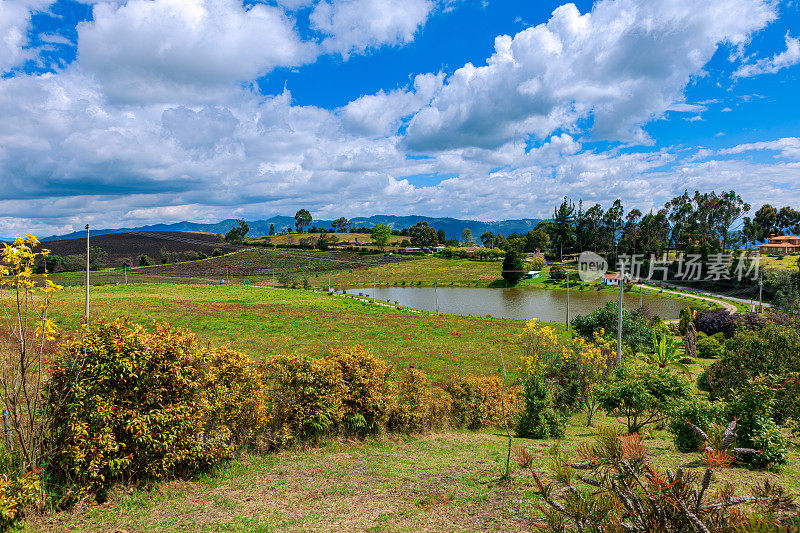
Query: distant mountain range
(258,228)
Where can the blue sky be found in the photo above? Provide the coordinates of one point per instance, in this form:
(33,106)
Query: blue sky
(121,113)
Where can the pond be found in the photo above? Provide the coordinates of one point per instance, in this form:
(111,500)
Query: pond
(545,305)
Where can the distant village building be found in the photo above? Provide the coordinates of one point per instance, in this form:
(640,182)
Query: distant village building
(611,280)
(531,274)
(784,244)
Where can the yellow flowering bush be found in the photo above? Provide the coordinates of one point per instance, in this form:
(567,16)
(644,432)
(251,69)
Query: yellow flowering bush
(572,367)
(594,361)
(540,346)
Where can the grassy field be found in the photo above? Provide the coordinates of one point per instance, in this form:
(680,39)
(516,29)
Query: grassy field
(786,263)
(440,482)
(340,269)
(448,481)
(261,322)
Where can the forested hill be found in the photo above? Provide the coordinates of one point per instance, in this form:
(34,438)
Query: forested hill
(452,226)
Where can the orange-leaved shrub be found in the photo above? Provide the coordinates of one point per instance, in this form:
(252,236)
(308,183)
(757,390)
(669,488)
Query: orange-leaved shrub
(305,399)
(478,401)
(368,391)
(139,404)
(412,410)
(351,392)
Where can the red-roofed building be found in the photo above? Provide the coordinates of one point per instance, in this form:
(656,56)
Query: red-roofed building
(784,244)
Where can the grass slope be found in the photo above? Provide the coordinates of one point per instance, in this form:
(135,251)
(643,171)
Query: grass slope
(439,482)
(261,322)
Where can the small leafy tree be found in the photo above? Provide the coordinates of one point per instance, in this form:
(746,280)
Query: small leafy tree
(237,233)
(513,267)
(466,237)
(642,396)
(341,224)
(97,258)
(380,235)
(301,219)
(24,351)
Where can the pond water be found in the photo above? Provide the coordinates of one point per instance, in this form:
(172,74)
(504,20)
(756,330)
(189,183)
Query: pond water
(545,305)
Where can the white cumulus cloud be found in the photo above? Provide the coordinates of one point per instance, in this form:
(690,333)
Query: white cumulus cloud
(354,26)
(15,21)
(620,65)
(784,59)
(185,50)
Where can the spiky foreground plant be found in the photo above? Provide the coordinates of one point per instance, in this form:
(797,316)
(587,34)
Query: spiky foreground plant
(620,492)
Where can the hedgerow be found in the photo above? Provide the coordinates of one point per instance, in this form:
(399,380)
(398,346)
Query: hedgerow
(143,405)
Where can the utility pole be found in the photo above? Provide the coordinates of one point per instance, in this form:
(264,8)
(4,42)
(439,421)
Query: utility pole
(436,293)
(761,293)
(87,274)
(125,270)
(619,321)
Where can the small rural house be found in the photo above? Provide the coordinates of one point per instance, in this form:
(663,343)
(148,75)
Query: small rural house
(611,280)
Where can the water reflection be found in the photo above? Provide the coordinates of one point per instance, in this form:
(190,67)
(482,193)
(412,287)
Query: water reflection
(546,305)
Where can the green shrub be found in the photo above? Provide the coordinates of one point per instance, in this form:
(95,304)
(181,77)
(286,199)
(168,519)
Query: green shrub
(753,407)
(642,396)
(787,401)
(774,350)
(700,412)
(538,418)
(144,405)
(637,333)
(709,347)
(557,273)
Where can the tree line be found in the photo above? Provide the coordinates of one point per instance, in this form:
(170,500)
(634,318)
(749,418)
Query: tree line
(701,223)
